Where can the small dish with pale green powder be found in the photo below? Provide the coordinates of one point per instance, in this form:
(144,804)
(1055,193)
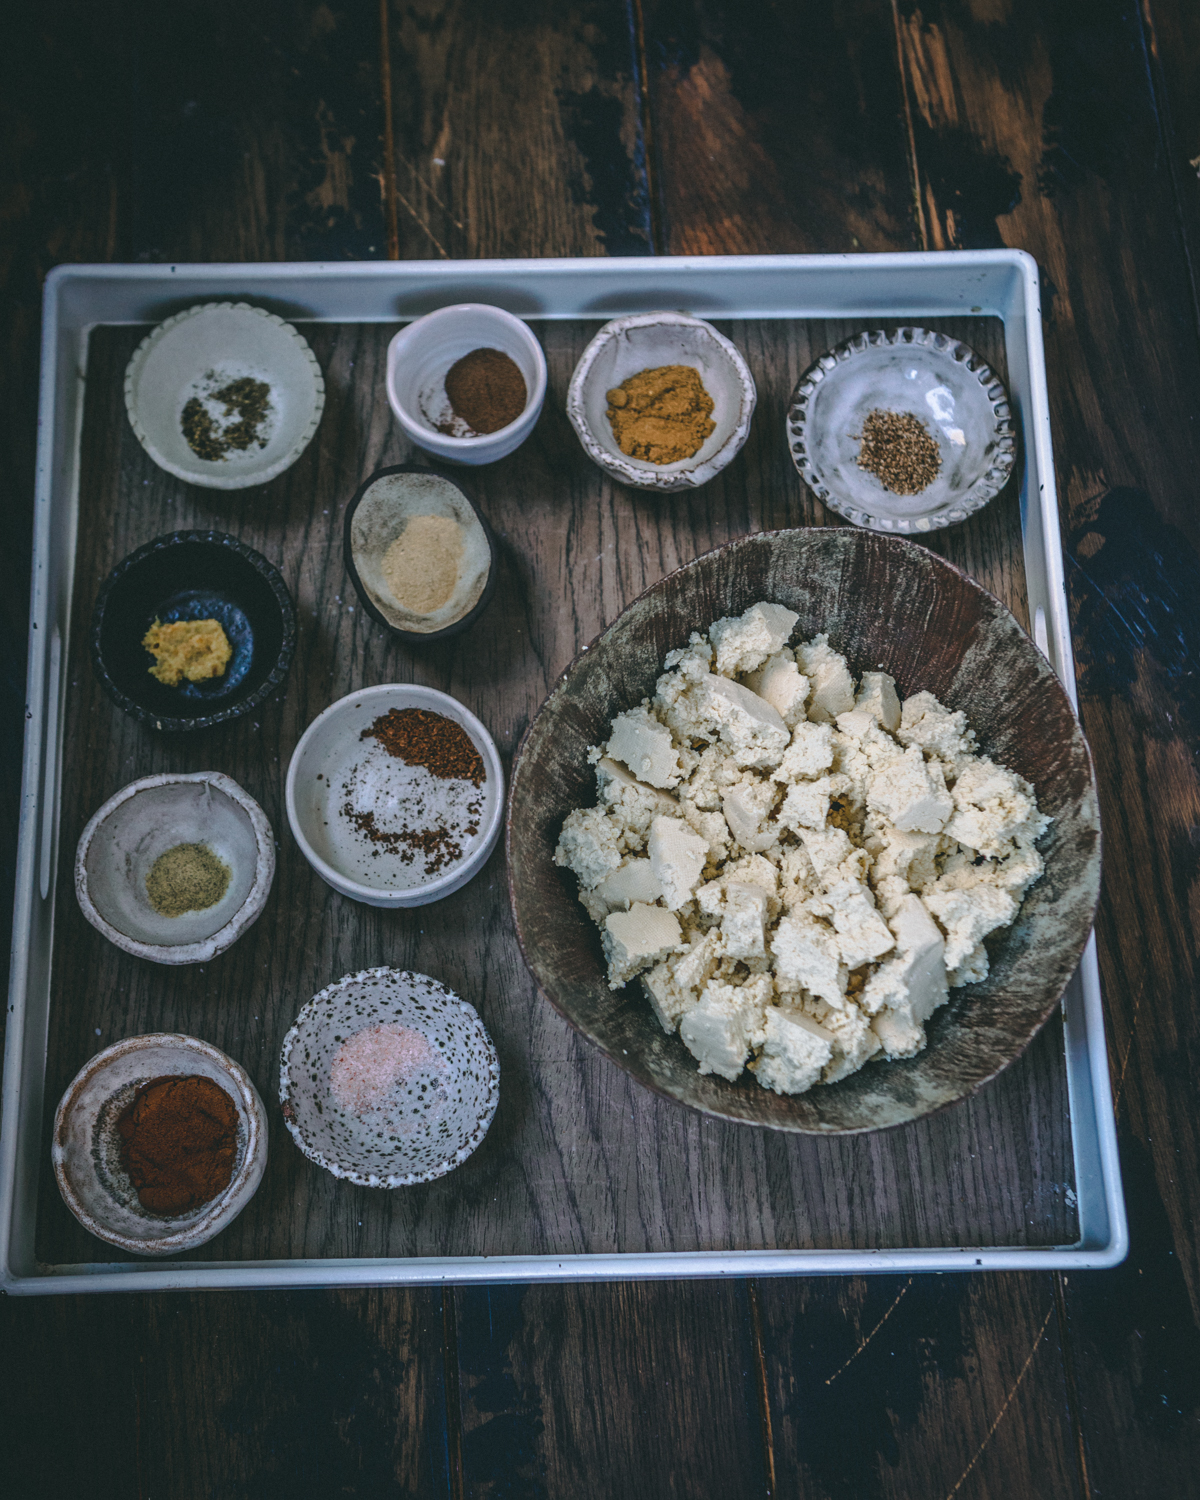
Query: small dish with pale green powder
(175,868)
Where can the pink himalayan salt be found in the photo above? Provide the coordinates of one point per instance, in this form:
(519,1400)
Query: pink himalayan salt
(368,1065)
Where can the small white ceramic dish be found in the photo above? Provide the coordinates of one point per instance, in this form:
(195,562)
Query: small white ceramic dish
(645,341)
(405,1103)
(202,350)
(419,357)
(945,384)
(338,781)
(121,842)
(86,1148)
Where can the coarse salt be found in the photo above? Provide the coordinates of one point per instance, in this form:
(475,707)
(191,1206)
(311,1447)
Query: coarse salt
(368,1065)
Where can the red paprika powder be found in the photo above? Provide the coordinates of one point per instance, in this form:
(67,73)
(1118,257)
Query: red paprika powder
(178,1142)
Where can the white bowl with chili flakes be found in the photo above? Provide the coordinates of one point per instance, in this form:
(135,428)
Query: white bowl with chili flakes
(395,795)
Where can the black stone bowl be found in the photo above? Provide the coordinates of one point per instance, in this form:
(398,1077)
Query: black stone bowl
(889,604)
(193,575)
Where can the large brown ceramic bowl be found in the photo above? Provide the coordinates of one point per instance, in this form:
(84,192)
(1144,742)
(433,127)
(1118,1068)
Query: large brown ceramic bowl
(889,604)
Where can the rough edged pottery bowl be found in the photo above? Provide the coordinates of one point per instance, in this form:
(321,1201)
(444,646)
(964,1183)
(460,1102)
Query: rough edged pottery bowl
(86,1149)
(193,575)
(888,604)
(432,1114)
(122,840)
(201,350)
(643,341)
(961,401)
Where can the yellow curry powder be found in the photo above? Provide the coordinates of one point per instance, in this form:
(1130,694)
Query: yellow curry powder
(661,415)
(195,649)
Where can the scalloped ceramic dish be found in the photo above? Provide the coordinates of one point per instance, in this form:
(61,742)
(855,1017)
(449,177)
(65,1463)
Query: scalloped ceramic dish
(199,352)
(959,398)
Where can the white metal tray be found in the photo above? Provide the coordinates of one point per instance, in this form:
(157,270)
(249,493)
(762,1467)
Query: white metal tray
(1000,283)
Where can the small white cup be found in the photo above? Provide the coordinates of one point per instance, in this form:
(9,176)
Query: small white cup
(419,357)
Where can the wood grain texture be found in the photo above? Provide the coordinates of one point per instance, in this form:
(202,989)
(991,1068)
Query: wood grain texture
(517,129)
(579,1157)
(777,127)
(1061,101)
(559,1400)
(920,1385)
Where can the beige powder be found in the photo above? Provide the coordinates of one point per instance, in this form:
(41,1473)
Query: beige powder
(421,565)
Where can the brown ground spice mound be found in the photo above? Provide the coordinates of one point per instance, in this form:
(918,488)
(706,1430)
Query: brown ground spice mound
(896,447)
(178,1142)
(661,415)
(420,737)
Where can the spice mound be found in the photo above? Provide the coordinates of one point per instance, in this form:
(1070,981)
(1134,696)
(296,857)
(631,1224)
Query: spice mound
(178,1143)
(208,439)
(188,877)
(370,1064)
(413,800)
(799,865)
(421,566)
(420,737)
(662,415)
(896,447)
(195,649)
(486,391)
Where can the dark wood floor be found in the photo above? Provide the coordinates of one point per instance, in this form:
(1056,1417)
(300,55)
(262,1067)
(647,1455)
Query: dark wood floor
(208,130)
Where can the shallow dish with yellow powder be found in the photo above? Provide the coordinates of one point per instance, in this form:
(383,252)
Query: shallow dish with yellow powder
(420,554)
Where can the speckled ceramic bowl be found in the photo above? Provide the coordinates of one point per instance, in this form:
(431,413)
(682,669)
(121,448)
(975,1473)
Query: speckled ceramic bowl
(960,400)
(86,1148)
(644,341)
(888,604)
(421,1111)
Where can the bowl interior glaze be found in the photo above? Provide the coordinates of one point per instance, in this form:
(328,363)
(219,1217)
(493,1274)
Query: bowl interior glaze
(887,604)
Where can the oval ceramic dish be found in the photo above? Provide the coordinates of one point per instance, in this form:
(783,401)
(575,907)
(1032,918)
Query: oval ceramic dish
(419,1109)
(118,849)
(193,575)
(86,1149)
(201,351)
(644,341)
(378,515)
(958,397)
(886,603)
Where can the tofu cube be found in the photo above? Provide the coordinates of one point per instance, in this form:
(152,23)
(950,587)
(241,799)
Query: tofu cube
(644,745)
(720,1031)
(591,844)
(780,681)
(744,921)
(745,642)
(808,755)
(911,793)
(807,956)
(635,939)
(831,687)
(877,696)
(794,1053)
(677,859)
(754,732)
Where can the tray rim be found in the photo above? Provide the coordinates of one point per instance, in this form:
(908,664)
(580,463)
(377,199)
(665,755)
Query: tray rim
(1002,283)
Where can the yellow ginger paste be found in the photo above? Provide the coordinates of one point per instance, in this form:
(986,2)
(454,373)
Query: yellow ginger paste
(195,649)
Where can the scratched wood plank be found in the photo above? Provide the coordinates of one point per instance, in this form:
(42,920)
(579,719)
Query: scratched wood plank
(1062,108)
(620,1392)
(776,127)
(517,130)
(579,1158)
(895,1386)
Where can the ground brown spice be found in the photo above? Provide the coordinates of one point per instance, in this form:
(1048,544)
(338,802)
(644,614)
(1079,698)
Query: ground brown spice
(251,400)
(661,415)
(486,390)
(896,447)
(420,737)
(178,1142)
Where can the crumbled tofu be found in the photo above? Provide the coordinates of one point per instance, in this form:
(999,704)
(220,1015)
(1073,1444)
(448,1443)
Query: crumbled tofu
(744,921)
(794,1053)
(744,643)
(645,746)
(747,807)
(831,687)
(591,844)
(798,870)
(677,859)
(752,729)
(911,793)
(807,956)
(729,1020)
(780,681)
(877,696)
(808,755)
(637,938)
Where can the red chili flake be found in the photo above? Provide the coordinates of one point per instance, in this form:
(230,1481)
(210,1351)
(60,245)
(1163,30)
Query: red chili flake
(420,737)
